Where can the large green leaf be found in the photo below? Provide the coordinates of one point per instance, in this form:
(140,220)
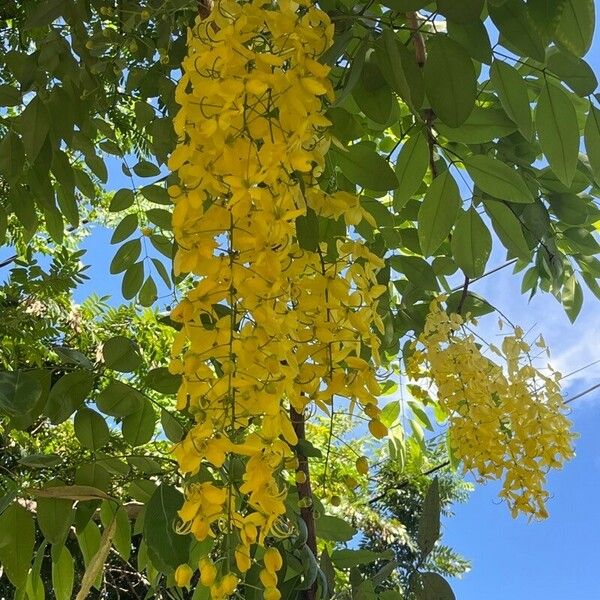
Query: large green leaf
(12,156)
(19,392)
(429,521)
(54,516)
(122,537)
(411,168)
(362,165)
(438,213)
(430,586)
(91,429)
(483,125)
(513,95)
(592,141)
(517,28)
(138,427)
(34,123)
(471,244)
(126,256)
(346,559)
(16,543)
(508,228)
(464,11)
(121,354)
(474,38)
(497,179)
(63,574)
(68,394)
(574,71)
(558,131)
(334,529)
(119,400)
(166,548)
(575,29)
(450,80)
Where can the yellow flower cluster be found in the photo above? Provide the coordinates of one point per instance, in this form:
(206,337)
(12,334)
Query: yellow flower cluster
(505,422)
(268,325)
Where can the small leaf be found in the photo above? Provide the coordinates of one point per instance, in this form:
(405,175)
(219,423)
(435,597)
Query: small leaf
(122,537)
(156,193)
(121,354)
(138,427)
(63,574)
(411,168)
(362,165)
(146,169)
(334,529)
(40,461)
(121,200)
(557,128)
(592,141)
(54,516)
(34,124)
(161,380)
(572,298)
(68,394)
(91,429)
(132,280)
(497,179)
(450,81)
(438,213)
(119,400)
(345,559)
(124,229)
(12,157)
(79,493)
(148,292)
(429,521)
(171,426)
(126,256)
(19,392)
(513,95)
(307,230)
(508,228)
(471,244)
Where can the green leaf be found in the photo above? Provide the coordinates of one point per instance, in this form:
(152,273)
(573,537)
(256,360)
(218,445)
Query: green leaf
(148,292)
(483,125)
(44,13)
(592,141)
(145,168)
(345,559)
(54,516)
(91,429)
(9,95)
(132,280)
(138,427)
(450,80)
(17,539)
(68,394)
(171,426)
(546,14)
(12,157)
(122,537)
(119,400)
(161,380)
(40,461)
(558,131)
(430,586)
(63,574)
(19,392)
(126,256)
(471,244)
(417,270)
(362,165)
(575,30)
(474,38)
(517,29)
(513,95)
(156,193)
(508,228)
(569,208)
(429,521)
(307,230)
(411,168)
(166,548)
(124,229)
(334,529)
(89,543)
(121,354)
(121,200)
(574,71)
(34,124)
(438,213)
(160,218)
(93,475)
(372,93)
(572,298)
(497,179)
(461,12)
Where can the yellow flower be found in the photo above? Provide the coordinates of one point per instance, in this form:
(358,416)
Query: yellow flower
(183,575)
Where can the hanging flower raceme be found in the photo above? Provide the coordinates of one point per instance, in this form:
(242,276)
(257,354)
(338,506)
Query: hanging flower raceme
(505,422)
(269,325)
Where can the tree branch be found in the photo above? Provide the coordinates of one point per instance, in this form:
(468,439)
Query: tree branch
(305,493)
